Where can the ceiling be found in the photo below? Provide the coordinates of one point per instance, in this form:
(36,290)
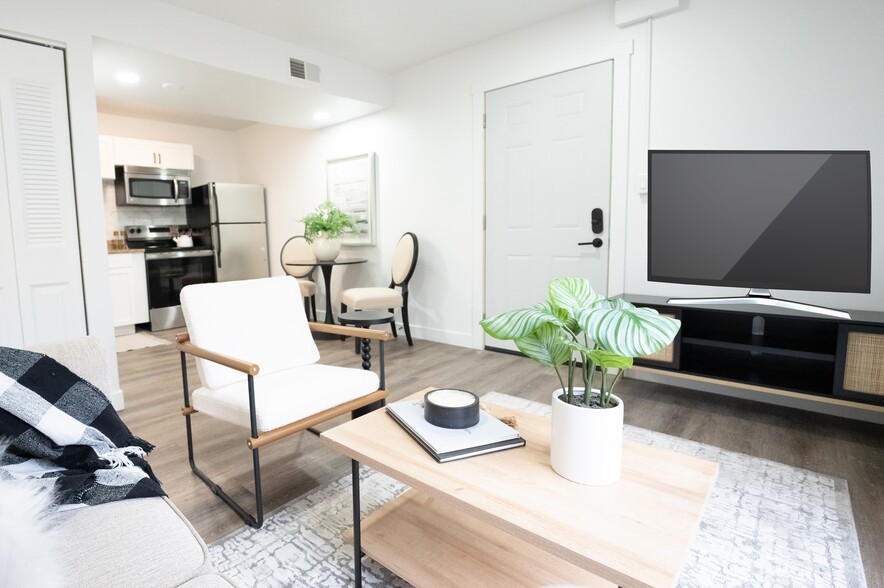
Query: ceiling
(386,35)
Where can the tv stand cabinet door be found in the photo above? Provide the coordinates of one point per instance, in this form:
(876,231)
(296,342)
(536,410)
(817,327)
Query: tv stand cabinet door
(860,362)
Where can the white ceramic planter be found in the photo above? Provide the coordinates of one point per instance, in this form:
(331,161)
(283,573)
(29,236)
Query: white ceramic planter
(586,444)
(326,249)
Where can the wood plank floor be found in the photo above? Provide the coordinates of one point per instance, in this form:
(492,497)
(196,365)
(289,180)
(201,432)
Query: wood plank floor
(151,381)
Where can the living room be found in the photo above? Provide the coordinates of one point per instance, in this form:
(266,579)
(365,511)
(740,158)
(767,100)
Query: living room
(722,75)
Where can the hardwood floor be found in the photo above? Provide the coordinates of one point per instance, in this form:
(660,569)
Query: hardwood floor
(151,381)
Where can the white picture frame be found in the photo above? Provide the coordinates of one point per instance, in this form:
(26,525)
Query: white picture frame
(351,186)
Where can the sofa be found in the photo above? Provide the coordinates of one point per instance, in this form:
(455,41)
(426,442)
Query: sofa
(143,542)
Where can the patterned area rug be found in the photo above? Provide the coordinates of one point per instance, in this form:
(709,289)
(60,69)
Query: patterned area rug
(765,524)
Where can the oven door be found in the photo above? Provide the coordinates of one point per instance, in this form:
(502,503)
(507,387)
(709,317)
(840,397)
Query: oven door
(167,273)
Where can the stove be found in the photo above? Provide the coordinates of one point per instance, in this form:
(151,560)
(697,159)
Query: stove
(169,269)
(157,239)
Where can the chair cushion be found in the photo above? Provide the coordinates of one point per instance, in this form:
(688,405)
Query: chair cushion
(261,321)
(308,288)
(366,298)
(286,396)
(402,258)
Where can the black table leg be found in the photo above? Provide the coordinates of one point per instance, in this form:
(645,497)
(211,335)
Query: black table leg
(357,527)
(326,276)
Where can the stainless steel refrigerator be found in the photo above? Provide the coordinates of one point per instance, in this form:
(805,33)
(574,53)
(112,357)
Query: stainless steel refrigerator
(235,216)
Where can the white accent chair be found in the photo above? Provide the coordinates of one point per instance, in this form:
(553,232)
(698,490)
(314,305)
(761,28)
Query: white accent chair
(258,365)
(404,262)
(298,250)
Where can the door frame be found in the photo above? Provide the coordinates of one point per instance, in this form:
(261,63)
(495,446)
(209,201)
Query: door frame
(620,55)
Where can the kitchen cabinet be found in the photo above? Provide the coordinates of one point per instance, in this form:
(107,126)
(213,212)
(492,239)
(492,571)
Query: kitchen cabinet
(157,154)
(106,156)
(128,280)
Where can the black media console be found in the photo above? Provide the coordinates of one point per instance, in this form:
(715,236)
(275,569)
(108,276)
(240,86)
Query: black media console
(778,351)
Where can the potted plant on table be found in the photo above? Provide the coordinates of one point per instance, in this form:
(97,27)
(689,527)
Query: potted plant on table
(579,333)
(324,228)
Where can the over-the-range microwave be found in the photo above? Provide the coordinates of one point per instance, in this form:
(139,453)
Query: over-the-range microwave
(148,186)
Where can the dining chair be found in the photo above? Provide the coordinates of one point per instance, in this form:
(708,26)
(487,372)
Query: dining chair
(298,250)
(257,362)
(404,262)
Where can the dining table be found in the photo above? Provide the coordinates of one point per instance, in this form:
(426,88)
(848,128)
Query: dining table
(327,267)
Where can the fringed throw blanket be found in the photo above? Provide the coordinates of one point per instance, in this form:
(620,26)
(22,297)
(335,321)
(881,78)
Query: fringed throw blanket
(64,432)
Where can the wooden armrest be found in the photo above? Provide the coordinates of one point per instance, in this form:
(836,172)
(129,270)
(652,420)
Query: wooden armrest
(184,344)
(350,331)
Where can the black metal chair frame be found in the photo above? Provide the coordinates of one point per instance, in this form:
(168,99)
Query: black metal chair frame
(404,286)
(355,407)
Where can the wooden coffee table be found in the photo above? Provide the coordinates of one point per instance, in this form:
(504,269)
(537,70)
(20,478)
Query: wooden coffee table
(507,519)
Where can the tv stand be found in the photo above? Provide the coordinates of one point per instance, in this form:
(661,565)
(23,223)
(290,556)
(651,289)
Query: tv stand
(764,298)
(823,360)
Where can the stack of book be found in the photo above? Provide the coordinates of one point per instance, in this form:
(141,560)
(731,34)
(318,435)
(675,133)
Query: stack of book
(486,436)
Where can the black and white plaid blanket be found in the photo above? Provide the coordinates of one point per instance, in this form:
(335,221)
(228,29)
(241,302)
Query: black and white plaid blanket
(63,431)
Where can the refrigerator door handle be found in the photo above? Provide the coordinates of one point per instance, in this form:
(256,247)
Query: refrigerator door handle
(216,238)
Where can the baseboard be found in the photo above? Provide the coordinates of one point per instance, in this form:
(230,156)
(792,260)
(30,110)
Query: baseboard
(427,334)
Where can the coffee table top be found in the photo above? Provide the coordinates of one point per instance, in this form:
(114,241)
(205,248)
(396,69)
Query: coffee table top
(362,318)
(635,532)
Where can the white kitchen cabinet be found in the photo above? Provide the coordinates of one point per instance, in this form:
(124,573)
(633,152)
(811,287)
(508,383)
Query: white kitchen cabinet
(106,156)
(143,153)
(128,280)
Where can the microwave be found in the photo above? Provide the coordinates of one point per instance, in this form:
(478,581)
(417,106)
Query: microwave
(149,186)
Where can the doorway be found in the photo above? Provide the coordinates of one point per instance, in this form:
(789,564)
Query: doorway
(548,156)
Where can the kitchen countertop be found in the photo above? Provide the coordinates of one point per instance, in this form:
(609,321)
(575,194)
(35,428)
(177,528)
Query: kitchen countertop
(114,251)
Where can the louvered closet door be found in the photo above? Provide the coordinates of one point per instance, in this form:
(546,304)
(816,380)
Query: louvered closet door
(41,290)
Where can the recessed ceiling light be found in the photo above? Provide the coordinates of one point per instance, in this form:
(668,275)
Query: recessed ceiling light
(172,86)
(321,115)
(128,77)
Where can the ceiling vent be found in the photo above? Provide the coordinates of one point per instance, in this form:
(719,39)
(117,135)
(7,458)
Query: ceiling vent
(303,70)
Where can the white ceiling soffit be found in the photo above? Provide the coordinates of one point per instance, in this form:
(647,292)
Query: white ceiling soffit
(386,35)
(203,95)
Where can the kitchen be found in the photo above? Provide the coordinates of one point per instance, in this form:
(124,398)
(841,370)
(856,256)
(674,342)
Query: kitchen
(165,231)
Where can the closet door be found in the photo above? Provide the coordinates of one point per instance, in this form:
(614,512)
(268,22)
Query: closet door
(41,289)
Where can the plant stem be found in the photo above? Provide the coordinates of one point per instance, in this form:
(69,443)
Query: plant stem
(559,376)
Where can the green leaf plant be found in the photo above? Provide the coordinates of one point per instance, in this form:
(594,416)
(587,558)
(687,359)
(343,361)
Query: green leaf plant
(327,220)
(583,332)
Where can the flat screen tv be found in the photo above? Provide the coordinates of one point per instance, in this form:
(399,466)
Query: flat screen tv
(793,220)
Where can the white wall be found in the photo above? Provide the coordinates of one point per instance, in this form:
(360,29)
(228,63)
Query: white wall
(725,75)
(424,147)
(753,74)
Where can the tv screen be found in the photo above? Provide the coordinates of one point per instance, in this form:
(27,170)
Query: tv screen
(794,220)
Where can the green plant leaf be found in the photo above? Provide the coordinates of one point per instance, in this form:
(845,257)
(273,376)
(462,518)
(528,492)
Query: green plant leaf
(572,294)
(631,332)
(521,322)
(607,359)
(545,346)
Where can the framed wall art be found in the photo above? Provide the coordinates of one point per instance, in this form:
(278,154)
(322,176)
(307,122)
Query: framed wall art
(351,186)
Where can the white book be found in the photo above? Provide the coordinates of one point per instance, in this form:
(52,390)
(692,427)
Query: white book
(488,435)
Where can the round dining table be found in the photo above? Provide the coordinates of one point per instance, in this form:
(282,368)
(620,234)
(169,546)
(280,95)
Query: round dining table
(327,267)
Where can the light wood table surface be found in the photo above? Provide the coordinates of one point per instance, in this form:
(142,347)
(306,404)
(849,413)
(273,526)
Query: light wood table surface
(507,519)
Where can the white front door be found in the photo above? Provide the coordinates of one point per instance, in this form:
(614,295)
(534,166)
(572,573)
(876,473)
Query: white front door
(41,289)
(548,173)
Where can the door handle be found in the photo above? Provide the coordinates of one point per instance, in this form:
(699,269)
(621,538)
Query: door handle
(595,242)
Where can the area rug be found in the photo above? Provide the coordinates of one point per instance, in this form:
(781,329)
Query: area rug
(765,524)
(138,341)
